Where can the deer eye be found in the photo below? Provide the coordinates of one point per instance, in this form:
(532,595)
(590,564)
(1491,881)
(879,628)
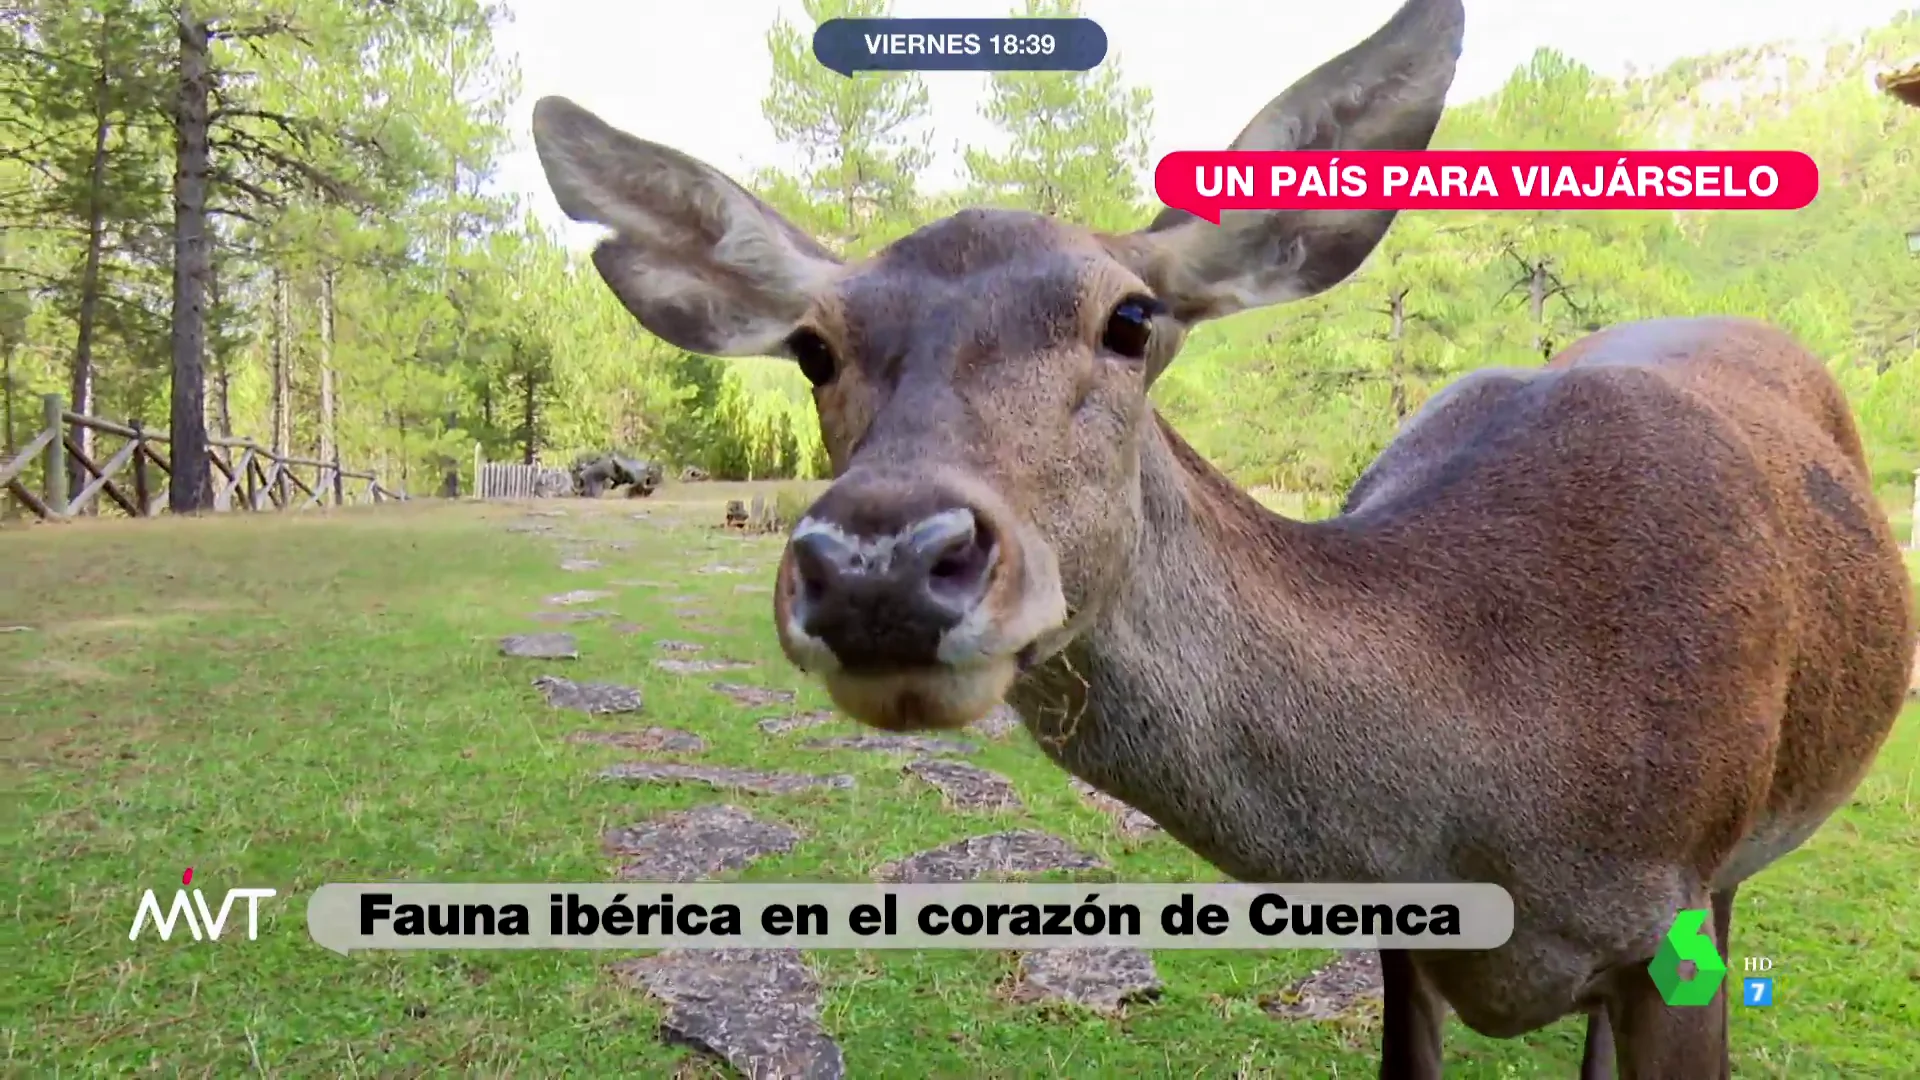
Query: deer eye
(1130,327)
(814,356)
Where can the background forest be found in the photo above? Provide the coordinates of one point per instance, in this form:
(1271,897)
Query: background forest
(274,217)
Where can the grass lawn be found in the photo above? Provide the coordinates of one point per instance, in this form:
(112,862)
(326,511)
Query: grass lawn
(289,700)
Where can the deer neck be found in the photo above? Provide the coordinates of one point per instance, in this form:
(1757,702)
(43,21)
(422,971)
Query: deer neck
(1241,689)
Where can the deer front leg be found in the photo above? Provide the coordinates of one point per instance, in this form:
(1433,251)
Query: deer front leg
(1657,1041)
(1412,1021)
(1596,1063)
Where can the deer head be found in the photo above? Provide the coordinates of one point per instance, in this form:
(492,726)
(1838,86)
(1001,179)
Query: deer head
(982,383)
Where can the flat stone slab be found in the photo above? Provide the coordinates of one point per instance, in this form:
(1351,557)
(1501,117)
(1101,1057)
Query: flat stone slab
(594,698)
(627,628)
(683,598)
(653,740)
(998,724)
(893,744)
(691,612)
(670,645)
(547,513)
(1022,851)
(530,527)
(723,778)
(1104,980)
(638,583)
(577,565)
(1351,983)
(1129,821)
(781,725)
(580,616)
(577,596)
(700,667)
(764,590)
(754,697)
(723,568)
(967,787)
(552,646)
(756,1009)
(695,844)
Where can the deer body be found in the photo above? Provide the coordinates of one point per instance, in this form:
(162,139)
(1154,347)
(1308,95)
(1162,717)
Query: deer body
(1614,634)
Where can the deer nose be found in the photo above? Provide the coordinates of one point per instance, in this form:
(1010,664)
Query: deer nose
(884,599)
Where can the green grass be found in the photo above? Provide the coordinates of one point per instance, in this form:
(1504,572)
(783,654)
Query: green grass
(287,701)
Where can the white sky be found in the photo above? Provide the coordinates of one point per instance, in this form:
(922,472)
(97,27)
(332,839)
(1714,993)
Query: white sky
(691,73)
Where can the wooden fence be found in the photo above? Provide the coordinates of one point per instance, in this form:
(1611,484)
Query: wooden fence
(246,475)
(517,480)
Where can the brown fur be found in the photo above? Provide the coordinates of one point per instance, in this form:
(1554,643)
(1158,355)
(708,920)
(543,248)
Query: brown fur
(1613,634)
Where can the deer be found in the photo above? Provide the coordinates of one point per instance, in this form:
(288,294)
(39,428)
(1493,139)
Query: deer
(1615,633)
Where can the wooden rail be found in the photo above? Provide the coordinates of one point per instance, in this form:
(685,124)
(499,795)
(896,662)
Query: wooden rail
(246,475)
(516,480)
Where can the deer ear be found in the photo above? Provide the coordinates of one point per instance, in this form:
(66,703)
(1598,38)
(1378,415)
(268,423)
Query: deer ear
(1385,93)
(696,258)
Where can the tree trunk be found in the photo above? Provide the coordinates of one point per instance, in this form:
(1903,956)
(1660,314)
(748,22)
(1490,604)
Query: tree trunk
(191,488)
(329,448)
(222,382)
(282,364)
(80,380)
(527,415)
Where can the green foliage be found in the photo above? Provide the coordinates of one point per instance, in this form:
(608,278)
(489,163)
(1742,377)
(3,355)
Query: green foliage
(354,148)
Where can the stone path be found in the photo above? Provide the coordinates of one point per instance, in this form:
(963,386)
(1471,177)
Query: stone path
(652,740)
(753,697)
(724,777)
(541,646)
(577,596)
(695,844)
(1348,985)
(700,667)
(967,787)
(583,615)
(1104,980)
(759,1010)
(893,744)
(593,698)
(1021,851)
(1130,822)
(782,725)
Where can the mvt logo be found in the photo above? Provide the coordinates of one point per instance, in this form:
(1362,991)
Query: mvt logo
(205,925)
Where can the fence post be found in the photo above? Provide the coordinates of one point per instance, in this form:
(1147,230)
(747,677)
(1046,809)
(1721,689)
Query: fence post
(140,497)
(56,455)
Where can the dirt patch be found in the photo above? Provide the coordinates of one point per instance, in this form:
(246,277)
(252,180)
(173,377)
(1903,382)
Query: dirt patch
(553,646)
(1022,851)
(627,628)
(701,667)
(638,583)
(577,596)
(653,740)
(893,744)
(691,612)
(753,697)
(696,844)
(580,565)
(1104,980)
(1129,821)
(594,698)
(756,1009)
(1350,984)
(64,670)
(967,787)
(781,725)
(723,778)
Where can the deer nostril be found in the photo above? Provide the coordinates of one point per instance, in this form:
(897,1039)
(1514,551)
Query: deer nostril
(961,559)
(814,557)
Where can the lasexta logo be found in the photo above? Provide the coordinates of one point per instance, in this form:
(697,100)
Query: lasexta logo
(1685,942)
